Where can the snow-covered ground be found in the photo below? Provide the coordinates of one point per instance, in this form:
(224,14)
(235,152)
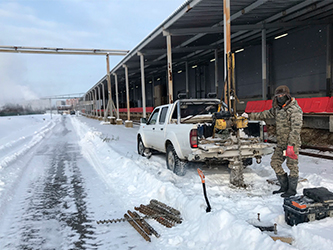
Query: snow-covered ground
(101,160)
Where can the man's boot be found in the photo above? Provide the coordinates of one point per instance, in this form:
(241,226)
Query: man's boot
(283,180)
(292,187)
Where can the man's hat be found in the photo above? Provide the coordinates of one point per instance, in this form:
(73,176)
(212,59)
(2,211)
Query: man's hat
(282,90)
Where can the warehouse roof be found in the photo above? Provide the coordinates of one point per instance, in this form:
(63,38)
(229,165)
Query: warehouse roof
(196,28)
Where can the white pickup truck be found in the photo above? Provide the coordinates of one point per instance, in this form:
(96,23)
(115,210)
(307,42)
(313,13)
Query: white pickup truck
(186,132)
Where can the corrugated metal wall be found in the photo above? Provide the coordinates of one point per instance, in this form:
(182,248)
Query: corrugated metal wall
(248,72)
(297,60)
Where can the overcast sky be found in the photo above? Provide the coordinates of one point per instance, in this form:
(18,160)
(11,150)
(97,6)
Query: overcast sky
(91,24)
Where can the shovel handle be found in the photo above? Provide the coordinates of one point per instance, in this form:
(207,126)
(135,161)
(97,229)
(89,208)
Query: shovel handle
(201,174)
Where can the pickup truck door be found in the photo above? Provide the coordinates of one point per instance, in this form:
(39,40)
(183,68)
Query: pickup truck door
(149,129)
(159,133)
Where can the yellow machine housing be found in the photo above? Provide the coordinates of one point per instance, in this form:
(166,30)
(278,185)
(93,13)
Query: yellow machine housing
(220,124)
(240,122)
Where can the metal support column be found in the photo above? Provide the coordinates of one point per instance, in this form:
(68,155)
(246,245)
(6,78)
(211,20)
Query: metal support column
(329,60)
(88,106)
(99,101)
(169,69)
(92,103)
(187,81)
(109,88)
(143,84)
(153,89)
(236,164)
(227,43)
(264,64)
(82,104)
(118,121)
(103,95)
(227,52)
(95,102)
(216,72)
(128,123)
(91,106)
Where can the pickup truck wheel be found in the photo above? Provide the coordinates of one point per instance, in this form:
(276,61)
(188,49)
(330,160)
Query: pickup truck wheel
(141,147)
(173,162)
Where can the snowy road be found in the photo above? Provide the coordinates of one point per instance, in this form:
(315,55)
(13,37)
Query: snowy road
(49,207)
(51,204)
(59,176)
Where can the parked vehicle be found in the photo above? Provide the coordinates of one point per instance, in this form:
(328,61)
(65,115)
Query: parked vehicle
(192,130)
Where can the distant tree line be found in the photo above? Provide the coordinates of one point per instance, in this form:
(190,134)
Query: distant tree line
(16,109)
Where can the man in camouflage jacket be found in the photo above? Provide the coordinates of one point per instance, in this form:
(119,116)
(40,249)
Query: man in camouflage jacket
(289,119)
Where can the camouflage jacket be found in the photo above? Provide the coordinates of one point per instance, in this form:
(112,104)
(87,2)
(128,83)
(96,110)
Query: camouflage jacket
(289,121)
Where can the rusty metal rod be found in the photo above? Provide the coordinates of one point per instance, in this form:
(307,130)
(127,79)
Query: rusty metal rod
(137,228)
(163,205)
(146,224)
(148,211)
(165,213)
(138,221)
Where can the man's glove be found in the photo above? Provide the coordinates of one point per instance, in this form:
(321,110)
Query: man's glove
(245,115)
(290,152)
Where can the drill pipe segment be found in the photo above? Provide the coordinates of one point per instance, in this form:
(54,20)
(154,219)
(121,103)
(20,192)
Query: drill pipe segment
(166,214)
(146,224)
(150,212)
(166,207)
(137,228)
(138,221)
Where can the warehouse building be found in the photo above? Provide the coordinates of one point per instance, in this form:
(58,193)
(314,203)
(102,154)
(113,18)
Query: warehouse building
(275,43)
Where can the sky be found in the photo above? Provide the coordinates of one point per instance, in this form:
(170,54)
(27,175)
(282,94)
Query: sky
(89,24)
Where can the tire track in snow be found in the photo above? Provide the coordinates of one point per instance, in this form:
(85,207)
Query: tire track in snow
(14,149)
(57,201)
(52,211)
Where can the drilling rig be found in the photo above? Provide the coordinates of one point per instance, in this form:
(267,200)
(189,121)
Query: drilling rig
(230,98)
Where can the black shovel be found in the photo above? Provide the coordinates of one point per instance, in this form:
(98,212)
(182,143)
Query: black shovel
(202,176)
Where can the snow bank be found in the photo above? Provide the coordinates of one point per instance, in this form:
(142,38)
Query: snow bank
(135,180)
(21,133)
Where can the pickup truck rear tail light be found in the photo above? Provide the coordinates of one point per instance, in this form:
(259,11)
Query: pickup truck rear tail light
(265,133)
(194,138)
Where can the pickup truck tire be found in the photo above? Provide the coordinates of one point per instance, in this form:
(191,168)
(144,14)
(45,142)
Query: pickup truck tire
(141,146)
(173,162)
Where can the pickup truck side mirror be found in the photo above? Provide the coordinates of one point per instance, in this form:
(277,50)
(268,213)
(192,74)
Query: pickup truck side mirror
(143,120)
